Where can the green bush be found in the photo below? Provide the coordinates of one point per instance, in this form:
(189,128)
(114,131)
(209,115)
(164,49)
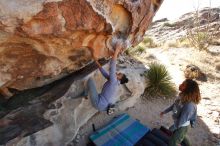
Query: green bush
(200,40)
(169,24)
(172,43)
(129,51)
(178,43)
(184,42)
(140,49)
(149,42)
(200,36)
(159,82)
(135,50)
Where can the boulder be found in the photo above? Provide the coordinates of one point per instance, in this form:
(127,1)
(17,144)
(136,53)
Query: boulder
(57,122)
(194,72)
(46,51)
(45,40)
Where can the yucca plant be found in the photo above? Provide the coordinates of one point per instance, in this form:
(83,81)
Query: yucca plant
(159,82)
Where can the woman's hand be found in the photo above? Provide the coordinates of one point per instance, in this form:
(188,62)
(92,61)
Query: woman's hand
(95,58)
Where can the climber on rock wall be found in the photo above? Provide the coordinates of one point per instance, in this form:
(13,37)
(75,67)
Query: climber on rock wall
(104,100)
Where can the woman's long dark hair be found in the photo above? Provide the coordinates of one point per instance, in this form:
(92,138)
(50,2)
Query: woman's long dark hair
(191,92)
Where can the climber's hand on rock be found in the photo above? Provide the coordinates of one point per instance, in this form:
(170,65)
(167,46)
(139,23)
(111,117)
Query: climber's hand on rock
(94,56)
(118,48)
(97,62)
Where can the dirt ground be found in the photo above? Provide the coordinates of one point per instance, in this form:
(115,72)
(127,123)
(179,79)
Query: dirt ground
(207,130)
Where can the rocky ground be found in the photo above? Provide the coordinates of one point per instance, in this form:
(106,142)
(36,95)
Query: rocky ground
(207,131)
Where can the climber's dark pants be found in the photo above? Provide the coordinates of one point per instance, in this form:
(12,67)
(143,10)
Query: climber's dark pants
(179,136)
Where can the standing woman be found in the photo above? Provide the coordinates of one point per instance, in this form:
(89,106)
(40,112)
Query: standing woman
(184,111)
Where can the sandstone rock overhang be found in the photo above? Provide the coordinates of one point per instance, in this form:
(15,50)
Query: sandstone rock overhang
(42,41)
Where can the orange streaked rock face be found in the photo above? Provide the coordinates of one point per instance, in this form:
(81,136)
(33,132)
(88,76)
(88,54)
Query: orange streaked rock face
(41,41)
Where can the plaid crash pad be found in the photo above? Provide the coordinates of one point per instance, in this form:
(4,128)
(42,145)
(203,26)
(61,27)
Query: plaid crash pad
(122,131)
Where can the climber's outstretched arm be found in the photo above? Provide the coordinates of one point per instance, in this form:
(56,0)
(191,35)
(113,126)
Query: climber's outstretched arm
(112,72)
(118,49)
(104,73)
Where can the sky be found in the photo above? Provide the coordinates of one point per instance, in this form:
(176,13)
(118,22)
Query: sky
(173,9)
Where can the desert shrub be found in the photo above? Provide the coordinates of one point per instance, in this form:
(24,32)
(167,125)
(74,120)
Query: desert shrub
(184,42)
(135,50)
(198,39)
(159,82)
(149,42)
(129,51)
(139,49)
(172,43)
(178,43)
(199,35)
(169,24)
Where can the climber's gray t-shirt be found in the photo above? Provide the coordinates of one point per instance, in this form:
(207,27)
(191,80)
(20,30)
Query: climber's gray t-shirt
(110,88)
